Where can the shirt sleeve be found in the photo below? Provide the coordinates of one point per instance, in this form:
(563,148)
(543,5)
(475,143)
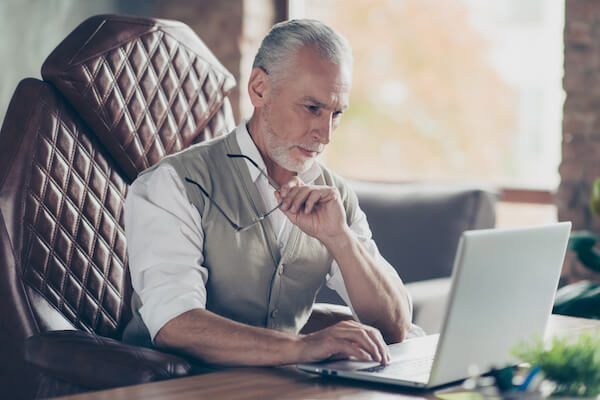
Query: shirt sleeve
(164,243)
(360,227)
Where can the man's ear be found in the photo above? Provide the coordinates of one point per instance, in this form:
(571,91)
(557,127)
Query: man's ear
(258,87)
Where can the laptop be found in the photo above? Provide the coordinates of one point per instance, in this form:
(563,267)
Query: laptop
(503,287)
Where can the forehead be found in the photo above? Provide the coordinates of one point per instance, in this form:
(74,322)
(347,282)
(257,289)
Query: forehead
(313,76)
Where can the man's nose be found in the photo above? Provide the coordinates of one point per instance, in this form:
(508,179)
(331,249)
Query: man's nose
(323,131)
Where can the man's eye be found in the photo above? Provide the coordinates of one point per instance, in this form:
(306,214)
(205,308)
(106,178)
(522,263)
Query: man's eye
(312,109)
(337,114)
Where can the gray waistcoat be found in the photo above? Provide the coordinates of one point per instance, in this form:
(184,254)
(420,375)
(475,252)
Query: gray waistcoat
(249,279)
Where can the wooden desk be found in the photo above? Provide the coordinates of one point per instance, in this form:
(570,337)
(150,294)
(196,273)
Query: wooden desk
(287,382)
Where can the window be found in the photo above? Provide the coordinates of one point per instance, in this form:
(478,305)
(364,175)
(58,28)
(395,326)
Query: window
(453,90)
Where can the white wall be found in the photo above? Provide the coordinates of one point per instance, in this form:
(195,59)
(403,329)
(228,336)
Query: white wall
(31,29)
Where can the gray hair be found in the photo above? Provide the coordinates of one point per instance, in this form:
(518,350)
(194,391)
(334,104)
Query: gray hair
(285,38)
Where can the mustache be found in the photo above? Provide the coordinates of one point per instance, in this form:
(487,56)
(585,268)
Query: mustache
(315,147)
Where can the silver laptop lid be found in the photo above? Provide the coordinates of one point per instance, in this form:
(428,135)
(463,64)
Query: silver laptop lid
(503,288)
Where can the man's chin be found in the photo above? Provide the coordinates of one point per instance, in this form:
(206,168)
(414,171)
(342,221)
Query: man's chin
(305,165)
(299,168)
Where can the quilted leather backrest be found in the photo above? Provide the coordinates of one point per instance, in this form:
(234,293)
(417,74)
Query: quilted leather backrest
(64,215)
(146,87)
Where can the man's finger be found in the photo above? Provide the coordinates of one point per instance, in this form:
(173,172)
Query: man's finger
(289,197)
(375,337)
(360,336)
(350,350)
(294,182)
(317,196)
(378,339)
(298,198)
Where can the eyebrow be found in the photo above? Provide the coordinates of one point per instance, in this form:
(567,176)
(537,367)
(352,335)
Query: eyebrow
(319,104)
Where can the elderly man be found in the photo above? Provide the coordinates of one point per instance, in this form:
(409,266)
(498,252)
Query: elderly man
(230,240)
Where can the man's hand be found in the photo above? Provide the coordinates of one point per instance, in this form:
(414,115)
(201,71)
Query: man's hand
(316,210)
(346,339)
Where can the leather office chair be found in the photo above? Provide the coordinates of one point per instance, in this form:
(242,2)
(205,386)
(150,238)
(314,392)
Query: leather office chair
(119,93)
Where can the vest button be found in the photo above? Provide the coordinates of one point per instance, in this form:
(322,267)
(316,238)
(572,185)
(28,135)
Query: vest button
(274,313)
(281,267)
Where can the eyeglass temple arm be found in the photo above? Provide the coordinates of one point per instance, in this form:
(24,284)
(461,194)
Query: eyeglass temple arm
(233,224)
(260,170)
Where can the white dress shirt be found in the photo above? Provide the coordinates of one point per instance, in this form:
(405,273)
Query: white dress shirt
(165,239)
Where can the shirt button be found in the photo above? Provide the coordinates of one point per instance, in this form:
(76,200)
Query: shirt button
(281,267)
(274,313)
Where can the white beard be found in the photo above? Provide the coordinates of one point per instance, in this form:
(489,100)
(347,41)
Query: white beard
(280,152)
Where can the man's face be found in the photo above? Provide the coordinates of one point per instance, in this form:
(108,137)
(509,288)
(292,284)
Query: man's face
(304,107)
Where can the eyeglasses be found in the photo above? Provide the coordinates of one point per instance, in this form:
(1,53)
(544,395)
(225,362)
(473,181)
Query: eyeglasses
(241,228)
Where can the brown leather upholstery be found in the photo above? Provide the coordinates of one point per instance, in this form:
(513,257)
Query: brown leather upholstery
(56,352)
(121,93)
(146,89)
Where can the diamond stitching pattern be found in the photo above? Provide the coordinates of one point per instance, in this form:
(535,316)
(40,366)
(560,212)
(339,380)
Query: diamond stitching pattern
(143,99)
(74,252)
(153,95)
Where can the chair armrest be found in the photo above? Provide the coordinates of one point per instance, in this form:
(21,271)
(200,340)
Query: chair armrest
(98,362)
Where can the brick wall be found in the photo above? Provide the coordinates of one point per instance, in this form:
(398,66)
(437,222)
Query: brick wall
(581,123)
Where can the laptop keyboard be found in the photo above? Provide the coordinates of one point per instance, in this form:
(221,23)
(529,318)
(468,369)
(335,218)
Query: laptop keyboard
(415,366)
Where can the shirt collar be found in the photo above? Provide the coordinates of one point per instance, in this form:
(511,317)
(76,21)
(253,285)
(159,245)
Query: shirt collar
(248,148)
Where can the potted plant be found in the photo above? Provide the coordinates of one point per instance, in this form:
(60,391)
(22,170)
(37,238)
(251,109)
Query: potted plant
(571,364)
